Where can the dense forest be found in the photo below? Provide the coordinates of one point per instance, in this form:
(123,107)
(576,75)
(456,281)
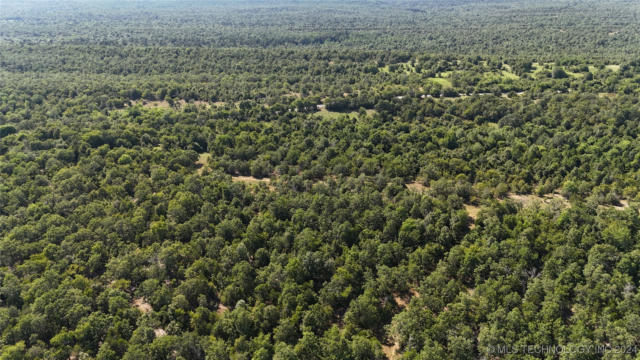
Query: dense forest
(354,180)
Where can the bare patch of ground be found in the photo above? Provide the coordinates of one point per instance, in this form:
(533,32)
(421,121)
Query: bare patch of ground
(162,104)
(401,301)
(250,180)
(221,309)
(623,205)
(202,103)
(142,305)
(160,332)
(391,351)
(417,187)
(404,300)
(506,95)
(414,292)
(530,199)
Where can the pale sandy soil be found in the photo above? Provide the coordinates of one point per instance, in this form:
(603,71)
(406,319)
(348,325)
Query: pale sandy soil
(142,305)
(222,309)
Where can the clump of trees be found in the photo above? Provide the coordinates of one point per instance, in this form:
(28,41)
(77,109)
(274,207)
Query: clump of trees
(175,200)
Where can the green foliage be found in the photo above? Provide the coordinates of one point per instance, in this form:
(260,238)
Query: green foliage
(173,186)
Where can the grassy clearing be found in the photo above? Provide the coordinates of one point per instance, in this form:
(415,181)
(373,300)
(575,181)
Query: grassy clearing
(472,210)
(407,67)
(538,68)
(615,68)
(574,74)
(253,181)
(333,115)
(498,77)
(442,81)
(508,75)
(202,162)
